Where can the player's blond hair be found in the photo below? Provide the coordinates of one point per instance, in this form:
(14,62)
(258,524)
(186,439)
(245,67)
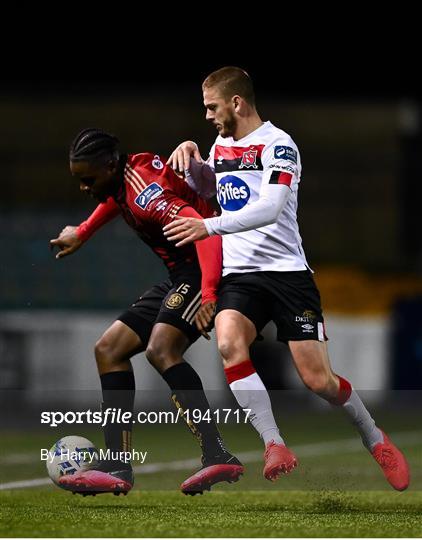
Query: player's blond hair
(231,81)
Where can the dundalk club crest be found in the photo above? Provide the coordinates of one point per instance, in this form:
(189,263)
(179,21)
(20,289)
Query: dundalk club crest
(249,159)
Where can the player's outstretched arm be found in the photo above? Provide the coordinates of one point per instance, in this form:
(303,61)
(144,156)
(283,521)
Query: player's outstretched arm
(72,237)
(260,213)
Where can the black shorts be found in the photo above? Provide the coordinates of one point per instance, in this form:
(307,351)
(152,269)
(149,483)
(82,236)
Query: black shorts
(175,301)
(290,299)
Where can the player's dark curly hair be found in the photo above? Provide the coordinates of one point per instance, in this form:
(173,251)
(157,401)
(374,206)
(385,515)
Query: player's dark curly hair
(93,144)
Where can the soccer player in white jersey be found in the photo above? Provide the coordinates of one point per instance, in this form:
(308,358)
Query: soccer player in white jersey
(255,168)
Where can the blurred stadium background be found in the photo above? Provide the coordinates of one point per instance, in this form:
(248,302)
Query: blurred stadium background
(358,214)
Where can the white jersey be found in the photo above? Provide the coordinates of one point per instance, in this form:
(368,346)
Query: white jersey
(242,167)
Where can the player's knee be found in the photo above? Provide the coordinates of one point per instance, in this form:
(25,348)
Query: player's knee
(317,382)
(105,352)
(102,348)
(159,356)
(231,350)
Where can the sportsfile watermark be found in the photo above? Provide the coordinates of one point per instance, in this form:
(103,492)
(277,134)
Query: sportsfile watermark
(118,416)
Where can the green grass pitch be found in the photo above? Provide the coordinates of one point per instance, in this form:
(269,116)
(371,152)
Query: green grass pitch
(43,513)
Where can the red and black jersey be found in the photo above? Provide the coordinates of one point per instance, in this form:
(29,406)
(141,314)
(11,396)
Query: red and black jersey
(150,196)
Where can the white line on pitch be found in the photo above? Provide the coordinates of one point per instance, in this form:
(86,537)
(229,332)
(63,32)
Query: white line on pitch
(304,450)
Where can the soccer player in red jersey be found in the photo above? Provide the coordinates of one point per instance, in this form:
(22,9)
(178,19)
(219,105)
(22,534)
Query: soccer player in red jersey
(148,195)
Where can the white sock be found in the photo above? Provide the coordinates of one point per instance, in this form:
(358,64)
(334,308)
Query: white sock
(352,405)
(250,393)
(365,424)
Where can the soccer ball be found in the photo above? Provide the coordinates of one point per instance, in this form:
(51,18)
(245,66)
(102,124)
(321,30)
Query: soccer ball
(70,455)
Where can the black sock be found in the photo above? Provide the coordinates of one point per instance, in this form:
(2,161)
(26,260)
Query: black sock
(118,393)
(188,393)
